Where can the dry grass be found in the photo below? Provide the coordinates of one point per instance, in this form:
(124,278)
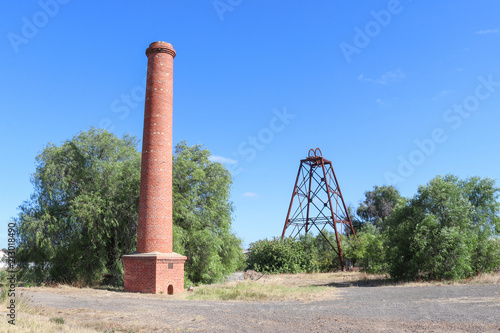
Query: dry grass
(482,278)
(302,287)
(308,287)
(39,324)
(28,320)
(255,291)
(486,278)
(284,287)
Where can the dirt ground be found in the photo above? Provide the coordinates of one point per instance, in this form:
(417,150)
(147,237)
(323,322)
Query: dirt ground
(353,308)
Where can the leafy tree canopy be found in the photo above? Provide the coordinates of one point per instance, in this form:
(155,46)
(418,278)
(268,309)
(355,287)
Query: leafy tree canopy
(286,255)
(367,249)
(306,254)
(82,216)
(378,204)
(357,223)
(444,231)
(202,215)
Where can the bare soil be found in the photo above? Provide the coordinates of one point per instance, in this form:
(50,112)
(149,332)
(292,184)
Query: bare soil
(355,307)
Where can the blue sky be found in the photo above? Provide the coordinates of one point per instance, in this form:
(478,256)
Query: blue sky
(393,92)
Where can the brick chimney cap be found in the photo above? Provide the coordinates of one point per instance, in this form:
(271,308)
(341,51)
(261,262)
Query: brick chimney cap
(160,47)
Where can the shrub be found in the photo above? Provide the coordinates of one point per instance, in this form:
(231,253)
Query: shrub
(367,250)
(446,231)
(280,256)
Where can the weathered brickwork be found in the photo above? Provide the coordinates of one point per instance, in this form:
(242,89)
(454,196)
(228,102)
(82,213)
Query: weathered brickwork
(155,203)
(154,272)
(155,268)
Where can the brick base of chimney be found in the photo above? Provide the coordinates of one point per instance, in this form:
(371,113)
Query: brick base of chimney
(154,272)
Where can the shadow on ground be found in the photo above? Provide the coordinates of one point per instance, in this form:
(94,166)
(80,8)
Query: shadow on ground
(362,283)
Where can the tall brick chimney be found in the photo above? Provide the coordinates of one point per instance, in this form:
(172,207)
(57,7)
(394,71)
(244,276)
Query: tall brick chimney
(155,268)
(155,205)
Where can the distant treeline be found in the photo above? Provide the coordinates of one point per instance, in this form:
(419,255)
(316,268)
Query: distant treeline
(448,230)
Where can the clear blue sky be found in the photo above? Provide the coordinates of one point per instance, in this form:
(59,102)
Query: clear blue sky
(392,92)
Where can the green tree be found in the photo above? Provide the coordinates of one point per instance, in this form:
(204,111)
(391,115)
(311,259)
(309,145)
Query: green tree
(357,224)
(444,232)
(483,196)
(327,257)
(378,204)
(202,215)
(306,254)
(278,255)
(367,250)
(311,251)
(82,216)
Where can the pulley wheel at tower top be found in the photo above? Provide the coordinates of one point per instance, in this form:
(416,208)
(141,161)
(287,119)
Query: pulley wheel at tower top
(314,153)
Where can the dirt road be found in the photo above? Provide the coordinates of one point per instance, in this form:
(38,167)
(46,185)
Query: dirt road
(456,308)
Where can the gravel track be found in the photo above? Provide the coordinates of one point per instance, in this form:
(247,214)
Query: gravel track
(455,308)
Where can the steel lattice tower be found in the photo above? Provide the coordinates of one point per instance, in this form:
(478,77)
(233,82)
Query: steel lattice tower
(317,202)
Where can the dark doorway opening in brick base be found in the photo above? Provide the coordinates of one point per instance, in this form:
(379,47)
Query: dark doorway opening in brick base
(170,290)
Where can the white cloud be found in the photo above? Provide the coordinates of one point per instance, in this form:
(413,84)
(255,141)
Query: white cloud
(488,31)
(250,195)
(222,159)
(388,77)
(442,93)
(381,102)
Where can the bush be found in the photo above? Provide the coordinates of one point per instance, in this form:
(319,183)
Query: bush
(304,255)
(487,256)
(325,256)
(280,256)
(446,231)
(367,250)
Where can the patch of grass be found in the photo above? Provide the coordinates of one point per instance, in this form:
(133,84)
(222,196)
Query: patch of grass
(254,291)
(484,278)
(57,320)
(302,287)
(311,286)
(88,320)
(27,320)
(109,288)
(30,322)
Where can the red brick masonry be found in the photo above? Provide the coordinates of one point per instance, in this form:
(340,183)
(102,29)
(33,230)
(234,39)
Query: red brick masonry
(155,204)
(155,268)
(154,272)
